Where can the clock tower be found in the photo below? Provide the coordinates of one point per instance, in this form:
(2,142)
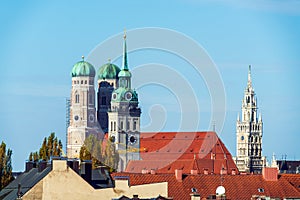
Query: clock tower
(83,121)
(124,117)
(249,132)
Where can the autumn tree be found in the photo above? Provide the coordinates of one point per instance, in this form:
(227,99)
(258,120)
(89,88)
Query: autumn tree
(111,156)
(51,146)
(100,152)
(91,150)
(5,166)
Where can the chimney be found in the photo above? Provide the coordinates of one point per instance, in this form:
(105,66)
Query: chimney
(178,174)
(270,173)
(73,164)
(29,165)
(223,171)
(194,171)
(86,170)
(205,171)
(233,172)
(42,165)
(195,196)
(152,171)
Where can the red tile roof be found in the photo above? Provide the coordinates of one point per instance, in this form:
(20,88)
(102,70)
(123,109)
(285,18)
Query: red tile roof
(167,151)
(293,179)
(237,186)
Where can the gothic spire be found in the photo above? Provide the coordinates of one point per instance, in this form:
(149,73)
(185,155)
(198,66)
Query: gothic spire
(249,76)
(124,64)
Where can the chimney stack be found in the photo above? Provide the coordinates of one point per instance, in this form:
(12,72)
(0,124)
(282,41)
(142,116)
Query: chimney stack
(178,175)
(86,170)
(195,196)
(270,173)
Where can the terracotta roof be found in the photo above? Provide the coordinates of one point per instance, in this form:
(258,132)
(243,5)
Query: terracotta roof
(237,186)
(293,179)
(167,151)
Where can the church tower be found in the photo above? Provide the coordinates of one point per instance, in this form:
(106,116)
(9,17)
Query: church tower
(83,121)
(124,117)
(249,132)
(107,82)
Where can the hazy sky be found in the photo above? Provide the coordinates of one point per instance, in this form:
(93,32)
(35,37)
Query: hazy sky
(42,40)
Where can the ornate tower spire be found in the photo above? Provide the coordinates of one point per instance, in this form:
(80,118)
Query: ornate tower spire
(124,64)
(249,133)
(249,77)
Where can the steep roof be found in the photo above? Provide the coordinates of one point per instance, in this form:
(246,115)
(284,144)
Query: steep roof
(167,151)
(237,186)
(26,180)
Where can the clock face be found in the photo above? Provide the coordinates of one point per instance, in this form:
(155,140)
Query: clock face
(128,96)
(114,96)
(91,118)
(76,117)
(132,139)
(112,138)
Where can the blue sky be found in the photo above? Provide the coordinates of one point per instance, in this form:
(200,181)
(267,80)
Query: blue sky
(42,40)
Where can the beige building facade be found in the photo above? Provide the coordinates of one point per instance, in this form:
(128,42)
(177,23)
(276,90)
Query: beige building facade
(64,183)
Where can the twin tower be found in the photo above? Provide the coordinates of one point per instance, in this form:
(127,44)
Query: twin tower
(118,112)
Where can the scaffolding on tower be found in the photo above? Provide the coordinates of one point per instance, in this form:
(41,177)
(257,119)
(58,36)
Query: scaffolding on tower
(68,105)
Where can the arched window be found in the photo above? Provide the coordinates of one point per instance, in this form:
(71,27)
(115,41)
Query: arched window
(121,125)
(134,125)
(111,126)
(76,98)
(114,126)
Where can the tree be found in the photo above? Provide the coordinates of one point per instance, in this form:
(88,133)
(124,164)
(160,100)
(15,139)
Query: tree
(51,146)
(111,156)
(5,166)
(91,150)
(101,152)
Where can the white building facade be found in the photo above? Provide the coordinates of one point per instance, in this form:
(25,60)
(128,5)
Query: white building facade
(249,132)
(83,121)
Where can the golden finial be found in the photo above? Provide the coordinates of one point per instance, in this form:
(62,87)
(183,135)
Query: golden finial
(124,33)
(82,58)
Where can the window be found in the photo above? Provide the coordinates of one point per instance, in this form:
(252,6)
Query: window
(261,190)
(134,125)
(114,126)
(111,126)
(91,99)
(76,98)
(121,125)
(81,82)
(85,82)
(128,125)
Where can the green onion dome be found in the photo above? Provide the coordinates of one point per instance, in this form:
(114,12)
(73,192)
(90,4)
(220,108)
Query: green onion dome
(83,68)
(108,71)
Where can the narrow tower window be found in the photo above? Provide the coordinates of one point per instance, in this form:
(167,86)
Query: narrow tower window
(76,98)
(134,125)
(90,99)
(128,125)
